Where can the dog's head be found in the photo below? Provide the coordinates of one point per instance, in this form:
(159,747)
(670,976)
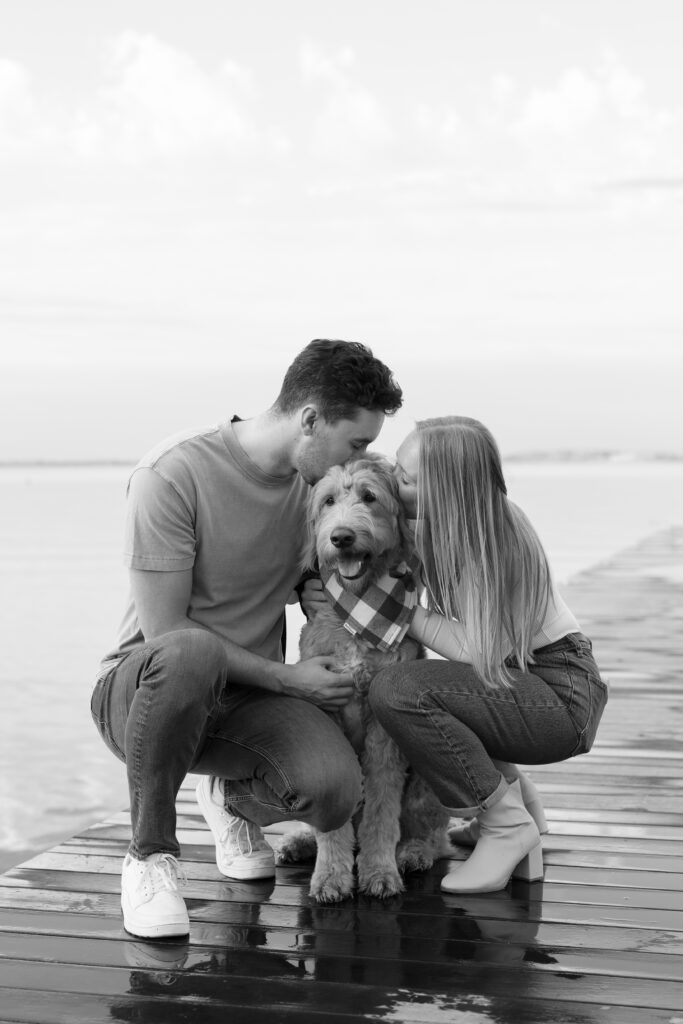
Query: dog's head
(356,524)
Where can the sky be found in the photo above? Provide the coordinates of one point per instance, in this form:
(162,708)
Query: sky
(489,195)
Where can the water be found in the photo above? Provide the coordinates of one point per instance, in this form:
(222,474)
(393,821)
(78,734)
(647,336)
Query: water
(62,594)
(64,588)
(586,511)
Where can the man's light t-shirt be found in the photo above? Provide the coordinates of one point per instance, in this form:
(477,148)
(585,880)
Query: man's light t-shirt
(198,502)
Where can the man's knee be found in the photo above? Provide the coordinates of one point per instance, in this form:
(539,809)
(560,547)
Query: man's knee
(191,661)
(328,798)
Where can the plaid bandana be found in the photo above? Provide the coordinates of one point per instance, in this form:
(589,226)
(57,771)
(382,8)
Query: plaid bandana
(382,614)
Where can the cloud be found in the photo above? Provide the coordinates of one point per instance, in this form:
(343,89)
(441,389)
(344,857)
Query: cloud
(596,122)
(152,100)
(20,127)
(316,65)
(672,184)
(573,104)
(506,145)
(352,123)
(531,147)
(505,142)
(159,101)
(440,125)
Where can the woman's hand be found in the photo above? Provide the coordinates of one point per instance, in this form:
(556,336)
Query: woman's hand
(312,597)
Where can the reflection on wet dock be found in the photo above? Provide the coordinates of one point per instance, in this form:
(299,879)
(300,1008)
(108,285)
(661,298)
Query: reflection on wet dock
(599,940)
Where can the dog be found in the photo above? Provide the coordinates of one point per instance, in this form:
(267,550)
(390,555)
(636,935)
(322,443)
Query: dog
(358,531)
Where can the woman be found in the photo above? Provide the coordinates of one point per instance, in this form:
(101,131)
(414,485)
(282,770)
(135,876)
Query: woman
(520,682)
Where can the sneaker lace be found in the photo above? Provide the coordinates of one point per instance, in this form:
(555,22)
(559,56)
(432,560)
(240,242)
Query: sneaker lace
(165,873)
(244,834)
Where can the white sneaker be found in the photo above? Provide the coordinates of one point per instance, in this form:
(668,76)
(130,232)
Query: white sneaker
(152,906)
(241,850)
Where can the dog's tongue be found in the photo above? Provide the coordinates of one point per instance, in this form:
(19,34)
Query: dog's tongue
(350,568)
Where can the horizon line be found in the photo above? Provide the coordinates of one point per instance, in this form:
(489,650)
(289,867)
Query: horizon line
(530,455)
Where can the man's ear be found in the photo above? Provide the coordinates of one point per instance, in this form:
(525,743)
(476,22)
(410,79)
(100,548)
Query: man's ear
(309,419)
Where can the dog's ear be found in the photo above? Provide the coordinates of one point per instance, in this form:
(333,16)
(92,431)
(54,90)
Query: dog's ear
(384,468)
(308,549)
(406,548)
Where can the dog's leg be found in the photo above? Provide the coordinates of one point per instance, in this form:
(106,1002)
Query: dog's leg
(423,828)
(384,771)
(333,878)
(297,846)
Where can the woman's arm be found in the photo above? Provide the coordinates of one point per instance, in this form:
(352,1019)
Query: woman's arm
(441,635)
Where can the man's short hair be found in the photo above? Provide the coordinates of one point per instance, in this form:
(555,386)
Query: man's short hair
(341,377)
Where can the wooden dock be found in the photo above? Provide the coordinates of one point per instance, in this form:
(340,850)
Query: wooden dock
(600,940)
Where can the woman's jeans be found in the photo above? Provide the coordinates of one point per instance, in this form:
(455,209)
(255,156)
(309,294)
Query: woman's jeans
(450,725)
(168,709)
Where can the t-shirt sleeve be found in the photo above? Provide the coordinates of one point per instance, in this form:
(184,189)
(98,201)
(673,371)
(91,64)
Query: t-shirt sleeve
(159,531)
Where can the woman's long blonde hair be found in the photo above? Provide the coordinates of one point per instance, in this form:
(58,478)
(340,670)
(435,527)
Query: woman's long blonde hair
(482,560)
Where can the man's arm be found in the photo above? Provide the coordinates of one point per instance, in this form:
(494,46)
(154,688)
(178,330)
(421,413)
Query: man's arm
(161,602)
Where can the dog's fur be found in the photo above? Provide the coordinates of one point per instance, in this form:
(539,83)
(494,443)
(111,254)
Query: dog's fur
(357,529)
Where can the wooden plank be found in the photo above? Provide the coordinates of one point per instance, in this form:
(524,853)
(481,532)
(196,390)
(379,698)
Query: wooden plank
(337,949)
(212,907)
(292,885)
(25,1006)
(418,989)
(619,889)
(205,855)
(583,838)
(541,939)
(98,863)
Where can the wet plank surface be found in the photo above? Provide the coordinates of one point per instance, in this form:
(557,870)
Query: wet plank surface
(599,940)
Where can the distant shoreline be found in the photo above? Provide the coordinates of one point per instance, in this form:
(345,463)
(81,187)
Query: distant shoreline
(64,463)
(528,456)
(593,456)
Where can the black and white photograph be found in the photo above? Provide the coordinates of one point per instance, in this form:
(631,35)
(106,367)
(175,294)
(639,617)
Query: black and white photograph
(341,511)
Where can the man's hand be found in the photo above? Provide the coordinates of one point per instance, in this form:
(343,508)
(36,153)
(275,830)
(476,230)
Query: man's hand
(313,597)
(315,680)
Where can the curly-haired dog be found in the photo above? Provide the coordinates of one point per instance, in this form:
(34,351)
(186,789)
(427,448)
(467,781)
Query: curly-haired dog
(357,530)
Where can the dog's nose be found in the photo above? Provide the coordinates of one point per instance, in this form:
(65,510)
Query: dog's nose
(342,537)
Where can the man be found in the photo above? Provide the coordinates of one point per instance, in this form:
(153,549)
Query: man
(197,683)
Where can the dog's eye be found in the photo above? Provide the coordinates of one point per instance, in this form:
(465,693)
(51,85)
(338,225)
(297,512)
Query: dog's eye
(329,500)
(369,497)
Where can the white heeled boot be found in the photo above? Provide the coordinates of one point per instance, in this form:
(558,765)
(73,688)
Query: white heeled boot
(509,844)
(468,833)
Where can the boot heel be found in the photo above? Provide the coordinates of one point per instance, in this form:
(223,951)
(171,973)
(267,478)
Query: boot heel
(530,868)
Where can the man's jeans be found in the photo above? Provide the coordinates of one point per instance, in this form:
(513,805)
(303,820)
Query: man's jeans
(450,725)
(168,709)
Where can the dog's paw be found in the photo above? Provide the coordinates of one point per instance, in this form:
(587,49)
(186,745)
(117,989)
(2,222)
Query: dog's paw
(332,885)
(379,881)
(297,847)
(413,856)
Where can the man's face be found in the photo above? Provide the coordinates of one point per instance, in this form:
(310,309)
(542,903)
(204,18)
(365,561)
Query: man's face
(333,444)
